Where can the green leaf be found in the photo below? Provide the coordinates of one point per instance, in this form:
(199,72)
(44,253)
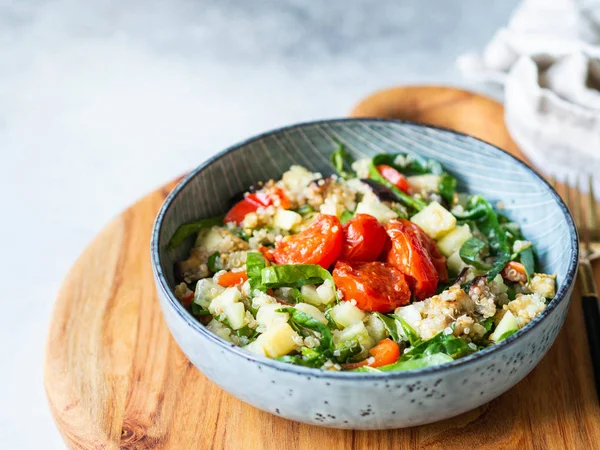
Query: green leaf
(346,350)
(412,164)
(211,263)
(255,263)
(332,323)
(528,260)
(248,332)
(294,275)
(488,323)
(346,216)
(402,197)
(447,187)
(417,363)
(189,229)
(408,331)
(298,361)
(197,310)
(470,253)
(342,161)
(390,326)
(305,321)
(305,209)
(505,335)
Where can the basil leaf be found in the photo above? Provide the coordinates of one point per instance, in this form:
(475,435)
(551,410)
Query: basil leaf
(447,187)
(390,326)
(340,159)
(255,263)
(305,321)
(470,253)
(402,197)
(408,331)
(294,275)
(346,216)
(211,263)
(188,229)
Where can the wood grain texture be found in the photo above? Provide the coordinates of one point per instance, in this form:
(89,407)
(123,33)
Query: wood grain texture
(116,379)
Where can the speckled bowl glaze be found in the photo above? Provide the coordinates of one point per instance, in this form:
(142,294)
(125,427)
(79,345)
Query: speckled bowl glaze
(367,400)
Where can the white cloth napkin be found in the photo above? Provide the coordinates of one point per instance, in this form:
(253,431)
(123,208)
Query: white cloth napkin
(548,59)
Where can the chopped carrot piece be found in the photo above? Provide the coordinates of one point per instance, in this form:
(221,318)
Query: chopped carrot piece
(229,279)
(384,353)
(515,271)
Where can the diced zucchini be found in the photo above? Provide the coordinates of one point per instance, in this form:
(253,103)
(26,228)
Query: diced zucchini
(507,323)
(356,332)
(424,183)
(236,314)
(267,315)
(255,347)
(278,340)
(376,328)
(209,239)
(435,220)
(286,219)
(376,209)
(312,311)
(206,291)
(346,314)
(455,263)
(227,297)
(453,241)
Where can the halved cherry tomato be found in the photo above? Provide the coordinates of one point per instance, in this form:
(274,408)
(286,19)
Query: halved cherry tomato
(394,177)
(409,254)
(320,243)
(514,271)
(229,279)
(252,202)
(384,353)
(187,301)
(438,260)
(364,238)
(267,253)
(375,286)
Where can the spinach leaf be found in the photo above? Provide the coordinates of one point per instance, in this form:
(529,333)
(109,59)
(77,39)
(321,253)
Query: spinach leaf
(341,161)
(212,260)
(346,350)
(528,261)
(447,187)
(305,209)
(346,216)
(390,326)
(255,263)
(248,332)
(402,197)
(332,323)
(303,320)
(188,229)
(470,253)
(294,275)
(447,344)
(408,331)
(409,164)
(299,361)
(417,363)
(197,310)
(488,324)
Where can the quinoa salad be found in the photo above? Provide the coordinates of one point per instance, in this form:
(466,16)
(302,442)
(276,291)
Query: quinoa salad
(382,266)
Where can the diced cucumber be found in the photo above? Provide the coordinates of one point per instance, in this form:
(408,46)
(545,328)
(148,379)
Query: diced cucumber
(227,297)
(356,332)
(326,292)
(310,295)
(236,314)
(455,263)
(312,311)
(206,291)
(346,314)
(507,324)
(410,314)
(376,328)
(277,340)
(424,183)
(453,241)
(286,219)
(267,315)
(435,220)
(376,209)
(318,296)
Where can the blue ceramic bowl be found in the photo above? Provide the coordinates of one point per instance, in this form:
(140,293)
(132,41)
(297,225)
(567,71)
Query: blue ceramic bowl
(367,400)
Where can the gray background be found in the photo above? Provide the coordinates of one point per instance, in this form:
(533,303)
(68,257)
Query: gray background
(102,101)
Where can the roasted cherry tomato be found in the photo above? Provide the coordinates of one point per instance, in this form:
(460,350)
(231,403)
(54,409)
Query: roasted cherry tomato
(385,353)
(409,253)
(252,202)
(364,238)
(394,177)
(320,243)
(376,286)
(438,260)
(229,279)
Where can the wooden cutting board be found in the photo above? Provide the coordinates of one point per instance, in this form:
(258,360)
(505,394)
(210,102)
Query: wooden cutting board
(116,379)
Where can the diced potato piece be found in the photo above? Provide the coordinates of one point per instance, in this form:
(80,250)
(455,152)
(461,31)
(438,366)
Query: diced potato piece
(544,285)
(424,183)
(286,219)
(236,314)
(209,239)
(376,328)
(278,340)
(376,209)
(268,316)
(507,323)
(206,291)
(255,347)
(455,263)
(357,332)
(229,296)
(312,311)
(346,314)
(453,241)
(326,292)
(435,220)
(220,329)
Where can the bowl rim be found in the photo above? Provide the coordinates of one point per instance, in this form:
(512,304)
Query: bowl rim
(192,322)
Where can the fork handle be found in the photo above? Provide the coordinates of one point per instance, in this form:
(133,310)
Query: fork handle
(591,315)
